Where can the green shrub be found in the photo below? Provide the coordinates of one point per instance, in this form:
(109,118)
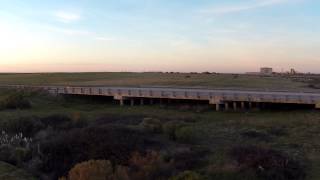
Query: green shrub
(78,121)
(140,167)
(15,149)
(10,172)
(189,158)
(171,127)
(149,166)
(28,126)
(152,125)
(57,121)
(185,134)
(187,175)
(267,163)
(20,155)
(231,175)
(15,101)
(258,135)
(67,148)
(278,131)
(63,122)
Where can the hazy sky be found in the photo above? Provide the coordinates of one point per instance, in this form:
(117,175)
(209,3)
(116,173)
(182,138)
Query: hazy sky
(159,35)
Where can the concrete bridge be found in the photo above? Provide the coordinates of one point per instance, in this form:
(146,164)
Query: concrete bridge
(220,99)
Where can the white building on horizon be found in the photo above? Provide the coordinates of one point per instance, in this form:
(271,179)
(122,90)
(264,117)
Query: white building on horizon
(266,70)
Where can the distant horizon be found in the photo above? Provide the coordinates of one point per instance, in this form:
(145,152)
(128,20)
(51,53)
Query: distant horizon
(184,72)
(169,35)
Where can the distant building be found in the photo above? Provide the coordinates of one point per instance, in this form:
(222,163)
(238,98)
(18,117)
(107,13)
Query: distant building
(266,70)
(293,71)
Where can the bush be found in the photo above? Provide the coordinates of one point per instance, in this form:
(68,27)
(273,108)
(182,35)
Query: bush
(28,126)
(119,119)
(278,131)
(15,149)
(268,164)
(63,122)
(258,135)
(185,134)
(78,121)
(33,166)
(98,169)
(187,175)
(140,167)
(152,125)
(56,121)
(171,127)
(115,143)
(149,166)
(222,174)
(189,158)
(16,101)
(10,172)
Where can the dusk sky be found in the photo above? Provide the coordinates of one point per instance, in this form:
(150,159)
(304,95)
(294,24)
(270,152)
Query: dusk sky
(159,35)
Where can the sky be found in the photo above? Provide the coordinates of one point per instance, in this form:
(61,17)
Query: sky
(159,35)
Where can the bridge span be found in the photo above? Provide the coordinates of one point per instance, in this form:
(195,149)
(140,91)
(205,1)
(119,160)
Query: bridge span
(220,99)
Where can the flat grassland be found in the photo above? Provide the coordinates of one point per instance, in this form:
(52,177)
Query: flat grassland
(156,79)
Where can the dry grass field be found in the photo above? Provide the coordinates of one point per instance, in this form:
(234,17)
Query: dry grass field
(156,79)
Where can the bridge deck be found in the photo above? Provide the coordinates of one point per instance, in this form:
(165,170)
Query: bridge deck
(212,96)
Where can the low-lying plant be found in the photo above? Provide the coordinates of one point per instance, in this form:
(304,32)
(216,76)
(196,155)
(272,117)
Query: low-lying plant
(15,149)
(16,100)
(268,164)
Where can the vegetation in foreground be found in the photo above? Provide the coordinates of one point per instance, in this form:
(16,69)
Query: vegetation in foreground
(68,138)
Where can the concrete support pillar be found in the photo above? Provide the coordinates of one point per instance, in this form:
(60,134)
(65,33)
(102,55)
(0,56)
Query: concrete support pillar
(161,101)
(141,101)
(216,102)
(258,105)
(226,106)
(132,102)
(151,101)
(217,107)
(250,105)
(121,102)
(235,106)
(243,106)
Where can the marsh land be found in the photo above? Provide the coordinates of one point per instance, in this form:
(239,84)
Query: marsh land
(167,141)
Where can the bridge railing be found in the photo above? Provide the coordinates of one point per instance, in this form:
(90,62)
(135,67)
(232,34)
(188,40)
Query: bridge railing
(195,94)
